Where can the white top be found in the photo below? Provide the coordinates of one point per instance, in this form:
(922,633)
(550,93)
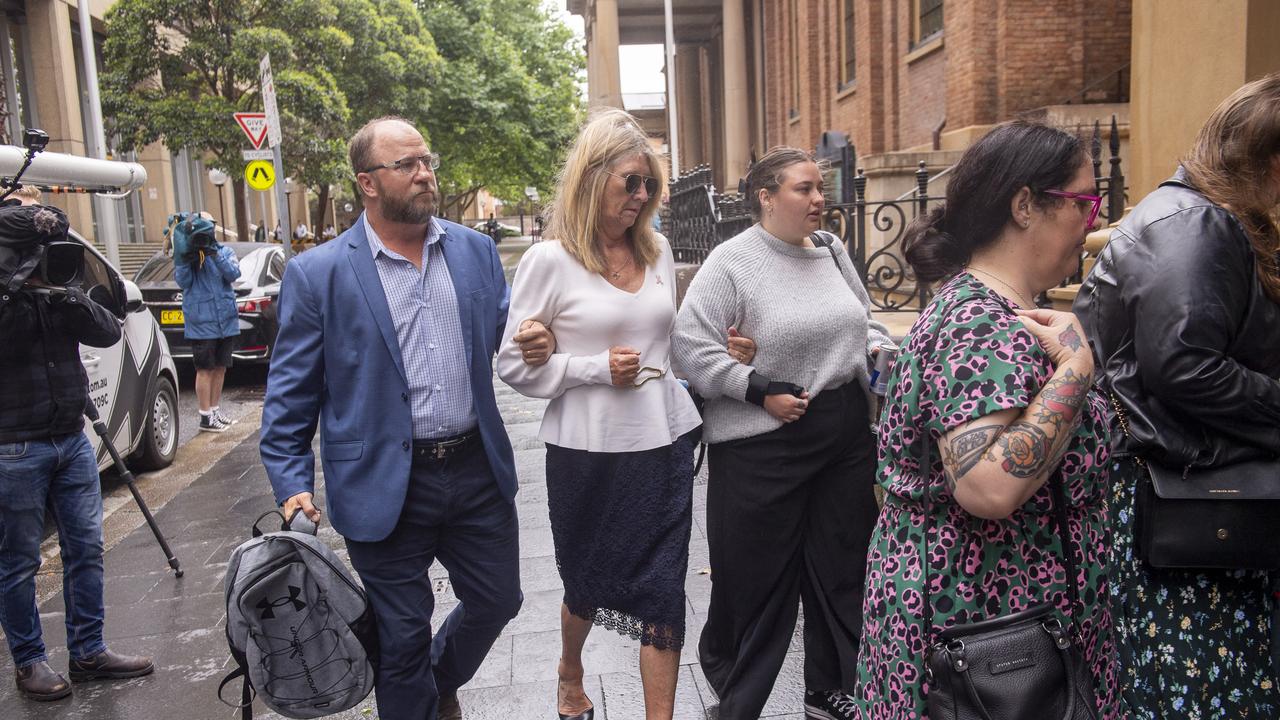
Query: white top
(588,316)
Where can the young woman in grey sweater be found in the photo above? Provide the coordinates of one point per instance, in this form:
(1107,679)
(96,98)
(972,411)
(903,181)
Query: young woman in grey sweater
(792,459)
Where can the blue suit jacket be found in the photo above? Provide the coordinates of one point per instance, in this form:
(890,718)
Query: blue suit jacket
(337,361)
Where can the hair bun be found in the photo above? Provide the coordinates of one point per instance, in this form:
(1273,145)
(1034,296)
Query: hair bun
(930,249)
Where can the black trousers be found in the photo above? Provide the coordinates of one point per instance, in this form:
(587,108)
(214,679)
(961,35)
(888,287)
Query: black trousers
(453,512)
(789,517)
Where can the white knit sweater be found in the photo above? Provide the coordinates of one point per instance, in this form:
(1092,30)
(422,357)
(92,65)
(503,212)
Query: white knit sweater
(810,326)
(588,316)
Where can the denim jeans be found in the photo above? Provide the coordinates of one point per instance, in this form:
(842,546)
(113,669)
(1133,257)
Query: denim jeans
(59,473)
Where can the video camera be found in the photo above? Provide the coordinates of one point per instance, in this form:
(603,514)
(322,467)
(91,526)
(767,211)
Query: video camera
(35,252)
(188,234)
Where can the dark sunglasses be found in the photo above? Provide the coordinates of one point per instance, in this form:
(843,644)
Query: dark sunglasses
(633,183)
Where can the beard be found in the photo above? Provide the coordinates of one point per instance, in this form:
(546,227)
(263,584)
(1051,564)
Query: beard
(409,208)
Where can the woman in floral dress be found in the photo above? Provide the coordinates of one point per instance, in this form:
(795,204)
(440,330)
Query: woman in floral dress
(1196,263)
(1003,390)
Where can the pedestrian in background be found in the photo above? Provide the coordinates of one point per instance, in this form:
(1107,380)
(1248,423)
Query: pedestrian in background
(619,448)
(792,460)
(210,319)
(1003,390)
(1183,312)
(386,340)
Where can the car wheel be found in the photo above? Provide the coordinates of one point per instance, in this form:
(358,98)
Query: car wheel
(160,436)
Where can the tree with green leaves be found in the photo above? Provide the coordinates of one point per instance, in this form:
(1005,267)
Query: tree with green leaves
(176,71)
(498,99)
(508,103)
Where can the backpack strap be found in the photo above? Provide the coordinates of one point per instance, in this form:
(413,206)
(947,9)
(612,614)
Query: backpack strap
(247,693)
(277,513)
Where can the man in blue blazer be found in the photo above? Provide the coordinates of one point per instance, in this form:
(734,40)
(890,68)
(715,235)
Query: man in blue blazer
(386,339)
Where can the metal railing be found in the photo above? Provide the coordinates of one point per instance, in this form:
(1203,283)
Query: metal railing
(699,218)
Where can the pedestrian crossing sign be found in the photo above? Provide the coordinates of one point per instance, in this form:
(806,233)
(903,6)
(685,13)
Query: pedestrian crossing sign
(260,174)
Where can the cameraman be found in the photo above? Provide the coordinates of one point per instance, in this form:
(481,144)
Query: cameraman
(45,458)
(210,317)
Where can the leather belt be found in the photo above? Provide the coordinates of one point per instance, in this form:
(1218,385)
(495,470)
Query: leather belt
(441,448)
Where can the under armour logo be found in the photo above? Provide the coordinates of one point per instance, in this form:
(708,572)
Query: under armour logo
(268,606)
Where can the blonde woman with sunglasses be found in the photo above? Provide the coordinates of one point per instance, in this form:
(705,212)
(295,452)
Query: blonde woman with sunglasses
(618,429)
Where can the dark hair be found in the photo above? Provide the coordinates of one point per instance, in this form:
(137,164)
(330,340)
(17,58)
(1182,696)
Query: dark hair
(1012,156)
(360,148)
(766,173)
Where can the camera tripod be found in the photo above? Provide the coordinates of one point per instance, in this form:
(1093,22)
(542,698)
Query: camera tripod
(100,427)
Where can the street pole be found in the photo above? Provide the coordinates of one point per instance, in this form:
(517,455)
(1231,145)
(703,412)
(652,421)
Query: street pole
(673,133)
(108,222)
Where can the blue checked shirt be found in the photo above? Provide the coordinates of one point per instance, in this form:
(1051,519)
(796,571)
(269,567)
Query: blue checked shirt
(424,309)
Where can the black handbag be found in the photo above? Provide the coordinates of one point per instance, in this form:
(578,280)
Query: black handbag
(1017,666)
(1221,518)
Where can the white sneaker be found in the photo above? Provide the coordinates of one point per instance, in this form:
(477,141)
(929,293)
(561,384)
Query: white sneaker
(222,418)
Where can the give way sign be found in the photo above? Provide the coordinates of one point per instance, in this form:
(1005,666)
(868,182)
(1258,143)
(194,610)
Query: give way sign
(254,125)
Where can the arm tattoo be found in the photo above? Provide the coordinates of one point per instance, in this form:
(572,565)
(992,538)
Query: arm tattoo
(966,451)
(1025,449)
(1070,338)
(1061,400)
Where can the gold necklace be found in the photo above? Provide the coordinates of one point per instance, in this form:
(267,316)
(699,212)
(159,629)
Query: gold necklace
(1021,299)
(615,274)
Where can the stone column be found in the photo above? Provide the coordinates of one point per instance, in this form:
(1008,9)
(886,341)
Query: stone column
(57,95)
(604,85)
(1169,100)
(689,101)
(737,140)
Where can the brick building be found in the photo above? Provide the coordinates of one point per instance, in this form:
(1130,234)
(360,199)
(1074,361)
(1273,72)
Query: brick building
(890,75)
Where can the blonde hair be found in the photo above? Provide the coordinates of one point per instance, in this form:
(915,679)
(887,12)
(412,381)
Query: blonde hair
(1231,163)
(574,217)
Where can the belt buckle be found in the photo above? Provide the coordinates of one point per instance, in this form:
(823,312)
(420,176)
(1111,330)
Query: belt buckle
(440,451)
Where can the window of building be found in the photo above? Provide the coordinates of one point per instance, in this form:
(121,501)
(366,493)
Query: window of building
(18,102)
(847,65)
(927,20)
(793,55)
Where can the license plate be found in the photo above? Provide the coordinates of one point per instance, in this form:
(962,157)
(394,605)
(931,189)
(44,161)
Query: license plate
(171,317)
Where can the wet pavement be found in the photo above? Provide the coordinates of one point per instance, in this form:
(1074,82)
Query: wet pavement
(180,621)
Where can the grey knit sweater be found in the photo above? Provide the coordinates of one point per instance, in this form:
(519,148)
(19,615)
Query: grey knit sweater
(809,326)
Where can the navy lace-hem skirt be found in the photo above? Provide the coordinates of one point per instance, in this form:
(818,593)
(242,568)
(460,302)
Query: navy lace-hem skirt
(621,522)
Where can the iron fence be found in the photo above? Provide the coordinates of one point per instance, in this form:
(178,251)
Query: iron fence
(699,218)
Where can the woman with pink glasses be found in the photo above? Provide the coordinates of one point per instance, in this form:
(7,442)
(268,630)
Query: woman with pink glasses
(1003,391)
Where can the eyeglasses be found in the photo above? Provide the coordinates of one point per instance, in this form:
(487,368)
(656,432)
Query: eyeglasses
(652,373)
(1094,200)
(634,180)
(409,165)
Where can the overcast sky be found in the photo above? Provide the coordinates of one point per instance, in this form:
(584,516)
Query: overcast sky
(641,65)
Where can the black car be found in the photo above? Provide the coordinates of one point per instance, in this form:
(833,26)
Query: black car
(257,295)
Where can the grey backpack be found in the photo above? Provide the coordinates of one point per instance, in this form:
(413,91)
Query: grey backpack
(301,631)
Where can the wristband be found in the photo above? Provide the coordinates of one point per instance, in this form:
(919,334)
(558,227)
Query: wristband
(784,388)
(757,388)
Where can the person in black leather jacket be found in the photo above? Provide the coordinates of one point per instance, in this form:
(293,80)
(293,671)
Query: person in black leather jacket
(47,462)
(1183,312)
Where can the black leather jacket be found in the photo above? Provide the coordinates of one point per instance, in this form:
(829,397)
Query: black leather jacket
(1184,335)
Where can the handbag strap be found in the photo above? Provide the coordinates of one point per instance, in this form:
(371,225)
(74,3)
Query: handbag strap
(821,240)
(1059,517)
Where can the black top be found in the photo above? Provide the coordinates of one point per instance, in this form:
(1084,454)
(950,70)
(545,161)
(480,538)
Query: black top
(43,385)
(1185,336)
